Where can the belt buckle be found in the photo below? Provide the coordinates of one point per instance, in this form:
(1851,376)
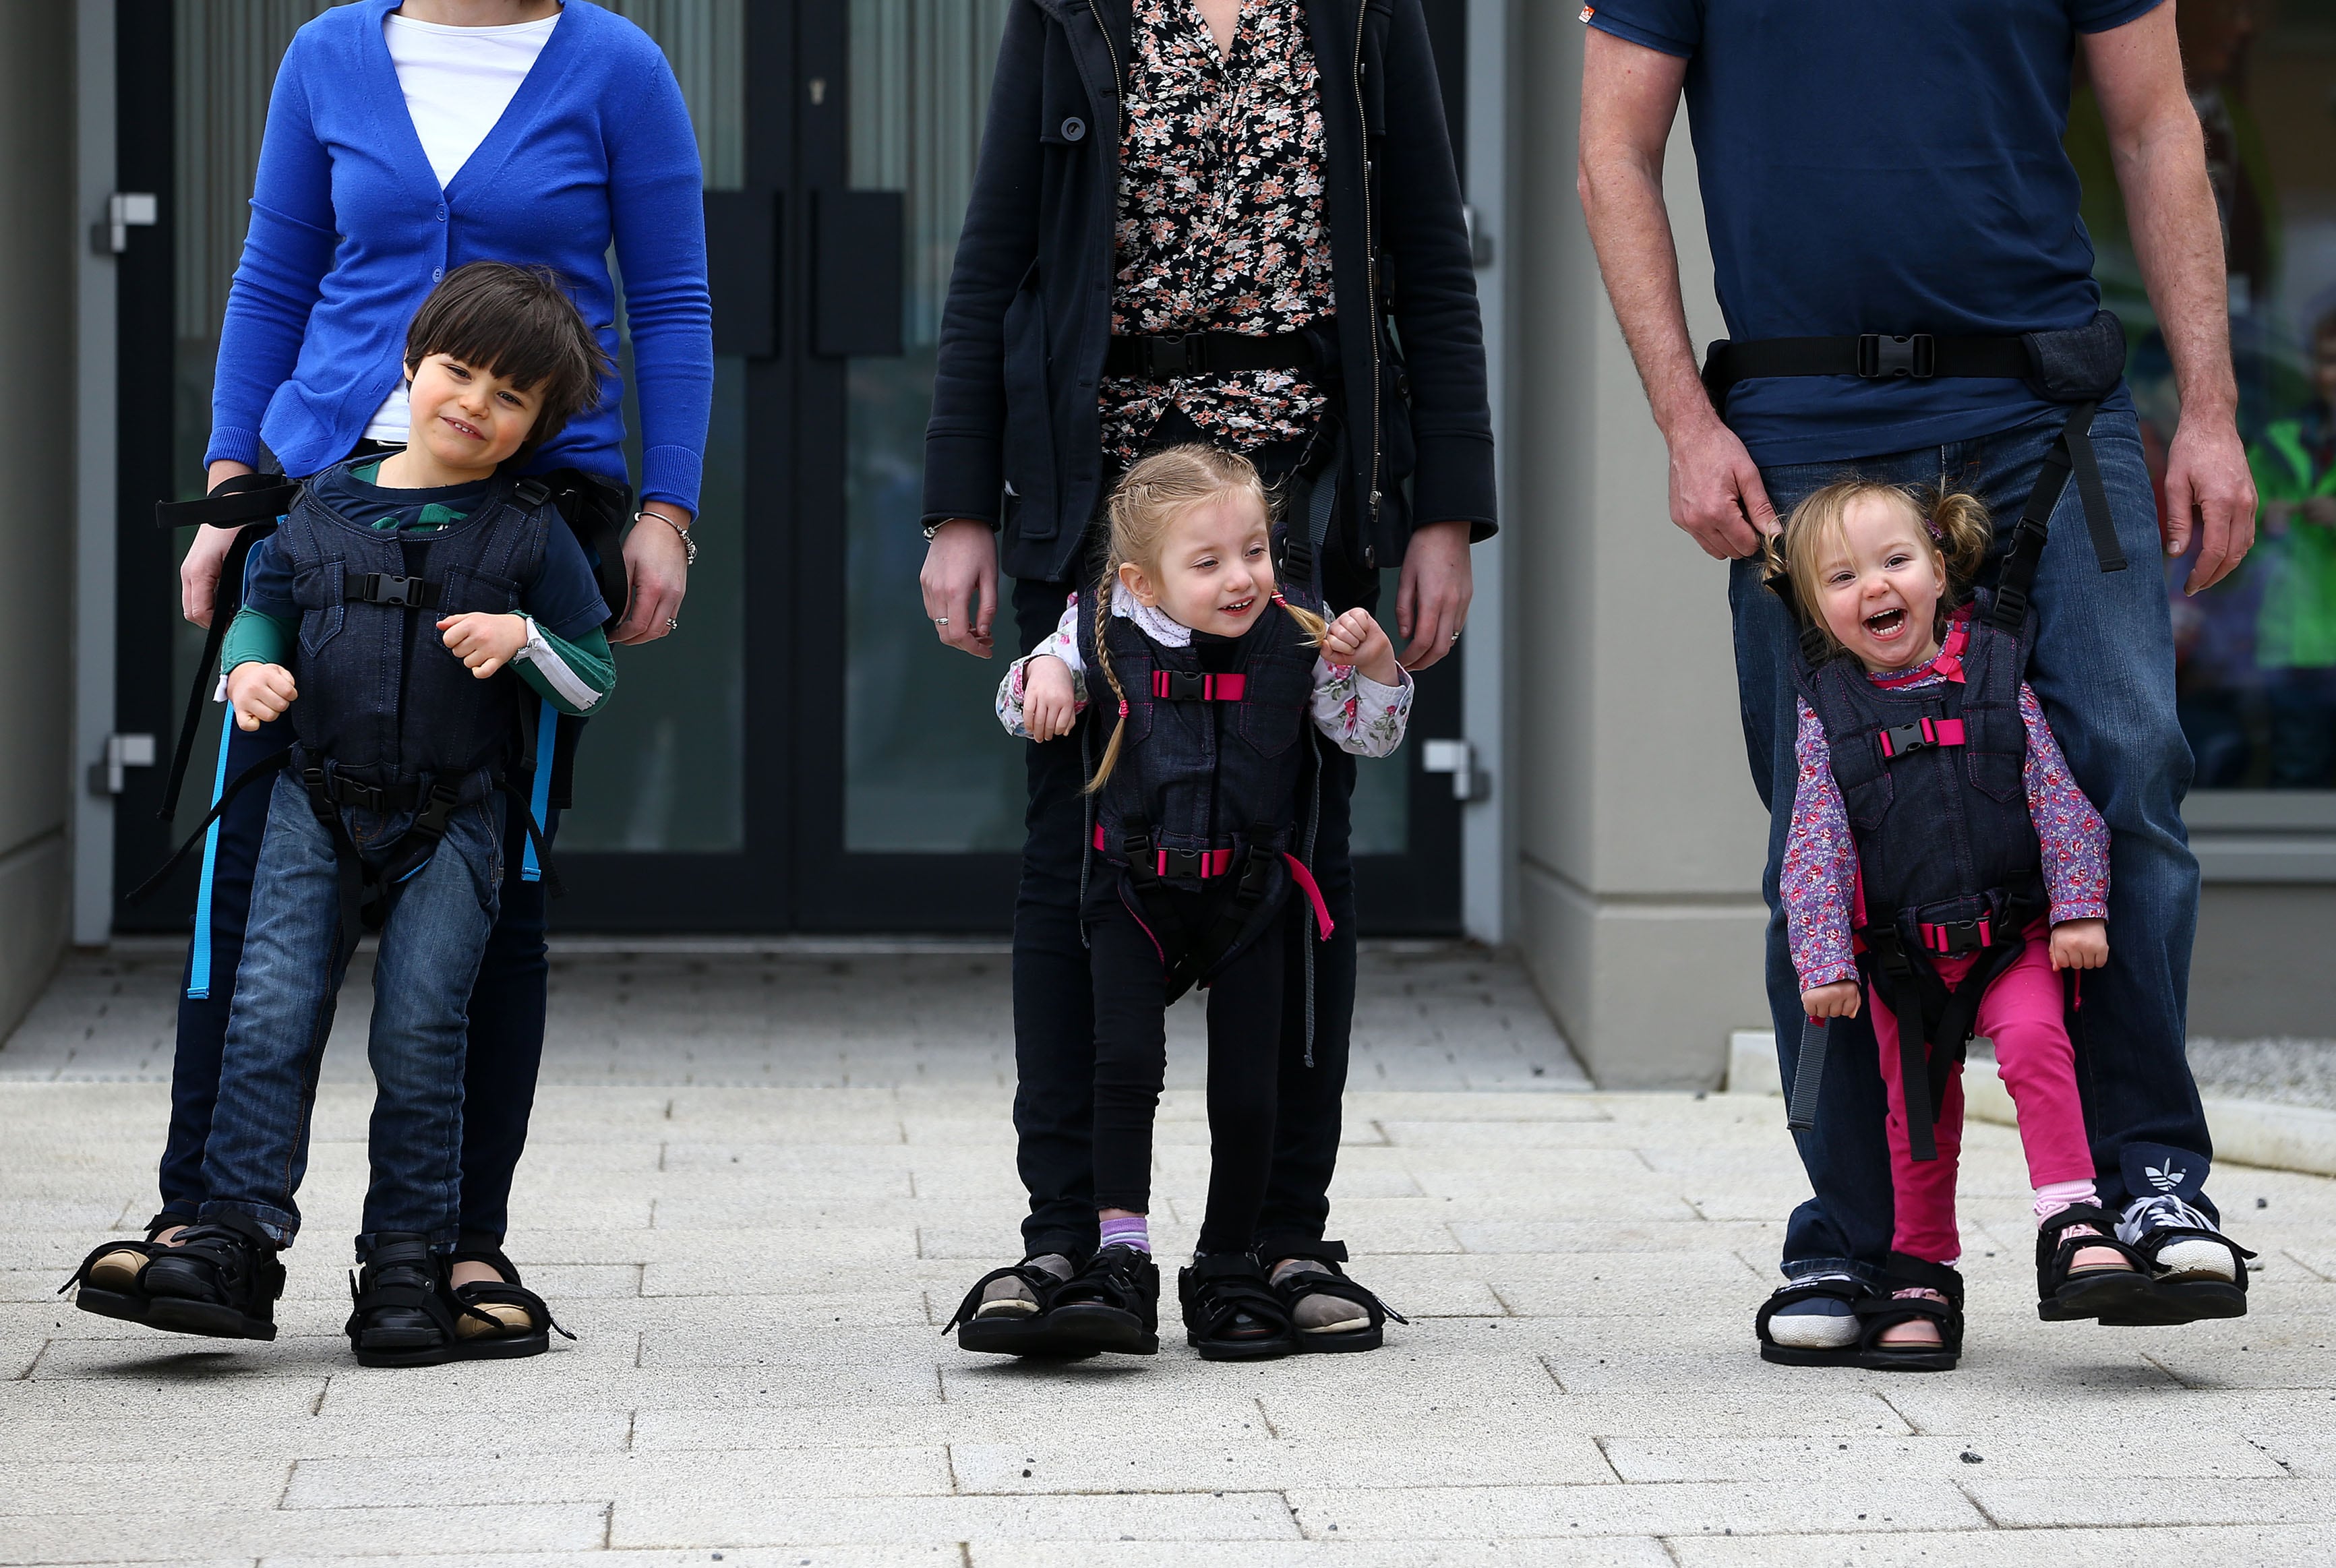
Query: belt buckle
(1172,354)
(1182,865)
(1904,739)
(1881,357)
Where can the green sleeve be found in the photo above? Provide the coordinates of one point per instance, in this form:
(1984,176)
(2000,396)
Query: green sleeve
(578,675)
(253,637)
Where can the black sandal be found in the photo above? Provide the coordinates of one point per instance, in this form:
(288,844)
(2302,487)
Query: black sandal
(1328,1278)
(1231,1313)
(2066,1295)
(1111,1304)
(403,1314)
(2175,1296)
(221,1280)
(1031,1333)
(1849,1292)
(109,1276)
(1914,1291)
(487,1336)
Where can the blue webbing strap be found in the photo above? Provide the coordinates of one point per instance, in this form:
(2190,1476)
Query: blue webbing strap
(199,960)
(546,736)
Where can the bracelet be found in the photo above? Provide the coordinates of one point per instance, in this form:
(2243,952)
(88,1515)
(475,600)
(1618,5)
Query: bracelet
(688,545)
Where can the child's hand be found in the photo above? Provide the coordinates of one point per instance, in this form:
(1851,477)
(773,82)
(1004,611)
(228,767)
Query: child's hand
(259,691)
(1356,638)
(1050,706)
(2080,944)
(1837,1000)
(484,642)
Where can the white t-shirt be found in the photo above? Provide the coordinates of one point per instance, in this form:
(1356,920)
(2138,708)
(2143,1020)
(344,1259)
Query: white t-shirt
(457,83)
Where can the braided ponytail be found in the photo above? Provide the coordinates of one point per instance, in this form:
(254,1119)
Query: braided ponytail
(1111,677)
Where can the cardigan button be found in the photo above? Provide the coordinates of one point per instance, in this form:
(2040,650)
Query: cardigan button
(1074,129)
(442,212)
(437,274)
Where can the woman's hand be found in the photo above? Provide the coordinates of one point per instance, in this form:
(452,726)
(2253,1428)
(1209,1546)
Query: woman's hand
(259,693)
(2080,944)
(1357,638)
(484,642)
(656,567)
(199,574)
(1049,705)
(1432,593)
(959,582)
(1837,1000)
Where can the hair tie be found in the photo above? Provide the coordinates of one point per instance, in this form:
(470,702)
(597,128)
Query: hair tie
(1279,601)
(1123,707)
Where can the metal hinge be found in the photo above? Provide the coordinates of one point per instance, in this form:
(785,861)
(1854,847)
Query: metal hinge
(122,751)
(1458,758)
(125,210)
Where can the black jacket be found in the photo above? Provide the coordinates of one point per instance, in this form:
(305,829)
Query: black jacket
(1016,436)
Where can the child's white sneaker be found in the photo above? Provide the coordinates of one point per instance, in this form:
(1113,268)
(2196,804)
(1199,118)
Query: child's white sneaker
(2196,1271)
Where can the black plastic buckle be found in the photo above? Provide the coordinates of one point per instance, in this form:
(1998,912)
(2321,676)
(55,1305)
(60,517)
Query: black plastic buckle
(1136,850)
(358,796)
(1177,354)
(1957,938)
(398,592)
(1182,865)
(1881,358)
(1185,686)
(1904,740)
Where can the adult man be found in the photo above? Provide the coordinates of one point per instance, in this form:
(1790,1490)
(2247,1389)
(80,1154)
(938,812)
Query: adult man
(1897,170)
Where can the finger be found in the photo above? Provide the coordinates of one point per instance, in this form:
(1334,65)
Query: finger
(987,614)
(245,722)
(2173,527)
(2214,539)
(1433,641)
(487,666)
(1755,498)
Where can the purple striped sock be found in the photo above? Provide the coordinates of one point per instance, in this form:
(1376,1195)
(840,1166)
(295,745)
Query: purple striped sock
(1132,1231)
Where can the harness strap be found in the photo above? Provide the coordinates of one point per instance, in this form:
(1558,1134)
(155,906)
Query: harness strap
(1905,739)
(396,592)
(1809,1071)
(1872,355)
(244,498)
(266,764)
(1186,686)
(227,599)
(1301,557)
(1168,355)
(1901,991)
(2071,452)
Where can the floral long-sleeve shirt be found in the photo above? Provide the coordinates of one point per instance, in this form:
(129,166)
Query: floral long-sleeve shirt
(1819,879)
(1363,717)
(1221,217)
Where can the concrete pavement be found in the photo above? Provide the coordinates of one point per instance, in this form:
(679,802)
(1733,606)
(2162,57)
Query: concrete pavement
(759,1183)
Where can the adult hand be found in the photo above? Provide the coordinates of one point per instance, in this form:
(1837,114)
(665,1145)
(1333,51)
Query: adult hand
(2209,490)
(199,574)
(1716,489)
(1432,592)
(960,583)
(657,568)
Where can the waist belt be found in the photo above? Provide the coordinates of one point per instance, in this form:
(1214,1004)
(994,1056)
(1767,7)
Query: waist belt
(343,791)
(1872,355)
(1165,358)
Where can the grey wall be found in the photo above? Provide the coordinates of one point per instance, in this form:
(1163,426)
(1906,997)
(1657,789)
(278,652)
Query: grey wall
(36,530)
(1639,835)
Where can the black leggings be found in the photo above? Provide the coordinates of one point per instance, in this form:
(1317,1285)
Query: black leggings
(1131,1037)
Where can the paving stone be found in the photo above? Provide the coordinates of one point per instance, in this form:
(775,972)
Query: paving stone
(1221,1421)
(1332,1418)
(1609,1551)
(1146,1464)
(2137,1454)
(2259,1545)
(759,1518)
(1689,1509)
(183,1535)
(456,1480)
(2096,1499)
(892,1556)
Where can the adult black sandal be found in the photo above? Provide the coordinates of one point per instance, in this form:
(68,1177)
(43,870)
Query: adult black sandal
(221,1280)
(1231,1313)
(1013,1326)
(500,1319)
(404,1313)
(1112,1303)
(109,1276)
(2194,1270)
(1914,1291)
(1842,1289)
(1319,1274)
(2067,1294)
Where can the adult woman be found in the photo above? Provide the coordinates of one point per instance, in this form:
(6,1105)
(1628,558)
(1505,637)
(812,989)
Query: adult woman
(1271,182)
(401,142)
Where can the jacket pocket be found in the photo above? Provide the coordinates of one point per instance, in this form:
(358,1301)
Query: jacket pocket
(321,593)
(1864,778)
(1030,444)
(1996,753)
(1276,704)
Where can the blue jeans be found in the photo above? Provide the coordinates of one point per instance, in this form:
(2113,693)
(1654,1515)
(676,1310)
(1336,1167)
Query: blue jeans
(2104,670)
(285,993)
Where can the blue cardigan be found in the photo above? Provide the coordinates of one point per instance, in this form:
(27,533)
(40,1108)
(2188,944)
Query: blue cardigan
(349,231)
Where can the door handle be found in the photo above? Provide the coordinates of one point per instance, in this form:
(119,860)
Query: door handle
(743,230)
(856,274)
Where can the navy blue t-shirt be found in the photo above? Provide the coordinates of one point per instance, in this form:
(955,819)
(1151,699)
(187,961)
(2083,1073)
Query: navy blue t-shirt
(563,598)
(1884,167)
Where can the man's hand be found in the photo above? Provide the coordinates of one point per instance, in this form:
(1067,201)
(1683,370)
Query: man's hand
(484,642)
(1357,638)
(1432,593)
(657,568)
(2209,488)
(199,574)
(1837,1000)
(259,693)
(1050,706)
(960,583)
(2080,944)
(1716,489)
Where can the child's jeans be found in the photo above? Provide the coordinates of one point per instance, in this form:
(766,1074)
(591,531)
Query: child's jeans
(284,1000)
(2022,1014)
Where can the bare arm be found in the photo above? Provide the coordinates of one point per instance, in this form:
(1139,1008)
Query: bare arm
(1630,95)
(2177,236)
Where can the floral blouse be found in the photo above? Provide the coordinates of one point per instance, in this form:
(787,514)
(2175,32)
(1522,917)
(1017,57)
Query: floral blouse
(1363,717)
(1221,222)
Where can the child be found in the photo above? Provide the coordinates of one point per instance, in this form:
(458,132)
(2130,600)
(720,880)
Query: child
(395,614)
(1202,801)
(1936,829)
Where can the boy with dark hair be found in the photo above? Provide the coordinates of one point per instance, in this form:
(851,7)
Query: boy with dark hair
(396,614)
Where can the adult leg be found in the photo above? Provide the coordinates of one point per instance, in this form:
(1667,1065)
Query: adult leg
(1245,1019)
(1131,1059)
(504,1049)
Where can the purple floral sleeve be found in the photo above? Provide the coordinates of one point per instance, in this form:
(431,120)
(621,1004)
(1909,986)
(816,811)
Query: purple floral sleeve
(1819,879)
(2074,839)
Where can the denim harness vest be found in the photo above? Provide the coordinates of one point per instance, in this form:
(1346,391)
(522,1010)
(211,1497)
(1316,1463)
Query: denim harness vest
(1933,780)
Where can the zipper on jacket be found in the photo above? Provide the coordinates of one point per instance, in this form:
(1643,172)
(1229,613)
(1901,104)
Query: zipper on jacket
(1370,259)
(1119,81)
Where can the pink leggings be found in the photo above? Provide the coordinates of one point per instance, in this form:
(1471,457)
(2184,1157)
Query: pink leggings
(2021,1013)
